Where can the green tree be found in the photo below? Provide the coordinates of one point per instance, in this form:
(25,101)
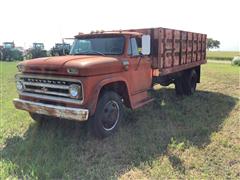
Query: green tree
(211,43)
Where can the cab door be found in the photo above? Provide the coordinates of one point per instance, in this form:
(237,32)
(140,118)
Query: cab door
(139,67)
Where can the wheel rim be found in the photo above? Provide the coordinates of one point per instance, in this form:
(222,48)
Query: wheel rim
(110,115)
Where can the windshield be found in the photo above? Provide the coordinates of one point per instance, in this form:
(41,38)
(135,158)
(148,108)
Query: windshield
(8,45)
(62,45)
(98,45)
(38,45)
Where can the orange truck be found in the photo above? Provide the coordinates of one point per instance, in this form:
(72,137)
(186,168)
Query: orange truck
(107,70)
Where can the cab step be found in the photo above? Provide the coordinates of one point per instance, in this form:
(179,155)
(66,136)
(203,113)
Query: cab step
(140,99)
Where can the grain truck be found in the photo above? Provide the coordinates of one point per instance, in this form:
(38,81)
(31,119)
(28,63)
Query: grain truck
(107,71)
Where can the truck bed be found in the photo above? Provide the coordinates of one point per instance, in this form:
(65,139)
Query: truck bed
(175,50)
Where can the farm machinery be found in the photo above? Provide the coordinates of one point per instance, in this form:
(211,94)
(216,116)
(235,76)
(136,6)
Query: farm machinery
(1,53)
(60,49)
(36,51)
(9,52)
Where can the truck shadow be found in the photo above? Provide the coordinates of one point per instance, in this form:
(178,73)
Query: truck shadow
(64,149)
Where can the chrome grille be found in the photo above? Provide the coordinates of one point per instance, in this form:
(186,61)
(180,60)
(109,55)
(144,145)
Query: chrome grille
(48,87)
(45,81)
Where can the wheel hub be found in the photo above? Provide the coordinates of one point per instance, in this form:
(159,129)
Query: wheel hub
(110,115)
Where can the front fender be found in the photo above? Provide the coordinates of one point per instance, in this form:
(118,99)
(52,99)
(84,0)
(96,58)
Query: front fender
(99,86)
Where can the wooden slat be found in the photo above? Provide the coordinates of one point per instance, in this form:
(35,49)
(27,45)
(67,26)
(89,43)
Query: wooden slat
(177,50)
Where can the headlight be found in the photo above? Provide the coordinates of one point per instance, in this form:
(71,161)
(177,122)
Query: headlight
(72,71)
(20,67)
(19,86)
(75,91)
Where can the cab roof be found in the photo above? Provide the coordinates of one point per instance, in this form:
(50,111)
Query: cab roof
(100,33)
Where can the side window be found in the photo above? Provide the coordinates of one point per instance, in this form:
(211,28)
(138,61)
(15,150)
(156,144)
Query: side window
(133,48)
(129,48)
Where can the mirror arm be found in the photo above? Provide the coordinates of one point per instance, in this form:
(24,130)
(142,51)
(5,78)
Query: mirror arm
(139,61)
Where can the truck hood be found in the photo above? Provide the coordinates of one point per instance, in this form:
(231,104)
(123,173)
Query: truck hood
(86,65)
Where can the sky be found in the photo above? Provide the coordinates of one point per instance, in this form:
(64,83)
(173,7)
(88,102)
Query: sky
(48,21)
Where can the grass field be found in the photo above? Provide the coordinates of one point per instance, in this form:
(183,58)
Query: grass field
(173,137)
(222,55)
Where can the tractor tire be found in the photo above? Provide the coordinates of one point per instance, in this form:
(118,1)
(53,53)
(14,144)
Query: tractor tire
(108,115)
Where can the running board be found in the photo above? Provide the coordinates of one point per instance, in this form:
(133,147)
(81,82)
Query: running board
(144,102)
(140,99)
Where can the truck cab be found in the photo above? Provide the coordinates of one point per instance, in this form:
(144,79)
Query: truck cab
(8,45)
(103,72)
(38,46)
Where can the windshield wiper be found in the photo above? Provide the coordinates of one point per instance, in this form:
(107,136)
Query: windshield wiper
(87,52)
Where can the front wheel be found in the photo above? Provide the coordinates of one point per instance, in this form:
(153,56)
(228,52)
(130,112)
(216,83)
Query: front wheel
(108,115)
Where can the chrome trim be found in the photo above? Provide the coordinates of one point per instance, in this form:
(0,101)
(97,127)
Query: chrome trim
(46,77)
(69,70)
(125,62)
(62,99)
(45,97)
(45,85)
(52,110)
(48,92)
(79,89)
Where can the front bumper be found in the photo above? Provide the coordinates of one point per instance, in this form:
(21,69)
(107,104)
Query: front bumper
(52,110)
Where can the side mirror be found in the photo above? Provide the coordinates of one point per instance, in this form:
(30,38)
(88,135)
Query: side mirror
(146,44)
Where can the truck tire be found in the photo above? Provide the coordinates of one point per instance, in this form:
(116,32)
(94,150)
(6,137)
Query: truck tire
(39,118)
(189,82)
(108,115)
(179,86)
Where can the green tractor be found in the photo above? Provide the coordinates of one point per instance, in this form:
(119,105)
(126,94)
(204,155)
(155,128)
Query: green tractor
(8,52)
(1,53)
(60,49)
(36,51)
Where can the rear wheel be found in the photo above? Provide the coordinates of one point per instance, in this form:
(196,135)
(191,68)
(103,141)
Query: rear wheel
(108,115)
(189,82)
(179,86)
